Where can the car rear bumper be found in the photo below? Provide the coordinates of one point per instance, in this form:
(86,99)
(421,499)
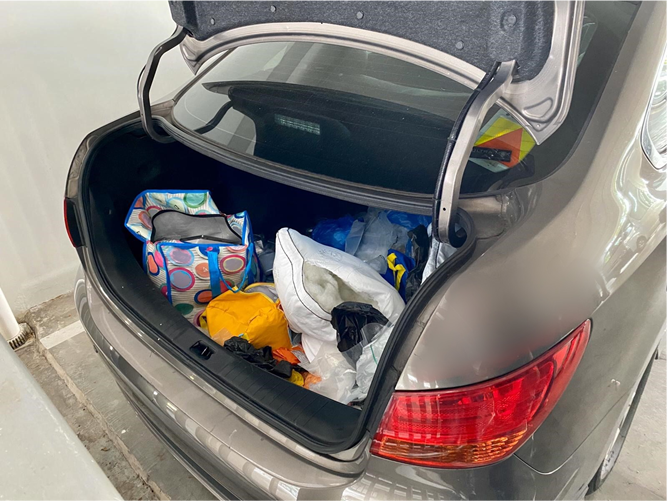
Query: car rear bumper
(221,446)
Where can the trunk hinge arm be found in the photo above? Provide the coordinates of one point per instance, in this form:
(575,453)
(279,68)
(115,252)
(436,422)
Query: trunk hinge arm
(146,77)
(458,149)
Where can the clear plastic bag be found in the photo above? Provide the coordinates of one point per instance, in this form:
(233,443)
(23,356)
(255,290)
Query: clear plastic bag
(337,375)
(439,253)
(368,363)
(377,238)
(339,380)
(380,235)
(357,324)
(354,237)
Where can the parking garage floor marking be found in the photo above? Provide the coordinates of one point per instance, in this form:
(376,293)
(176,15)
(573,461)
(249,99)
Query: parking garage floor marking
(62,334)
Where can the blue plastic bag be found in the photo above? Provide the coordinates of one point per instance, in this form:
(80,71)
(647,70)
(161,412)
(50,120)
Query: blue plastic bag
(369,239)
(333,232)
(408,221)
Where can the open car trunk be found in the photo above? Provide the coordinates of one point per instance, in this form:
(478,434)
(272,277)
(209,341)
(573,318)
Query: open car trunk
(126,162)
(525,62)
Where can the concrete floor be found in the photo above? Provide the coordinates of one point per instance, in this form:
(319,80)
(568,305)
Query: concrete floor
(87,428)
(641,470)
(63,361)
(74,377)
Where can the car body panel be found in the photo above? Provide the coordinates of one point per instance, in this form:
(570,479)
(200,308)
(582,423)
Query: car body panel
(573,246)
(510,479)
(625,333)
(235,460)
(487,32)
(590,245)
(224,434)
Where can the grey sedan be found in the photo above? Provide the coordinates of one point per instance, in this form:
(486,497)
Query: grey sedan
(534,136)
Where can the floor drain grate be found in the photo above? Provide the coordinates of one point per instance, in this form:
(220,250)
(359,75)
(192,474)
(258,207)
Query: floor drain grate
(20,339)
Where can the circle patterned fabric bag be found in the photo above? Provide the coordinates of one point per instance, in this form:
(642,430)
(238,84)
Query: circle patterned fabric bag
(191,274)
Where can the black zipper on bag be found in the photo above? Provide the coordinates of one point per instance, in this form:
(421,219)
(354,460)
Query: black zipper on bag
(224,216)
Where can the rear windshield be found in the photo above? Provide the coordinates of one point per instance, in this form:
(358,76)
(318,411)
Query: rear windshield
(372,119)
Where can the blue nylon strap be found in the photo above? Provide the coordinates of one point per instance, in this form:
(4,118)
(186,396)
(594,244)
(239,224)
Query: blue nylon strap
(214,273)
(168,281)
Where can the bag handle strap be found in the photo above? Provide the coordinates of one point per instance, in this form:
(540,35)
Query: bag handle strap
(215,276)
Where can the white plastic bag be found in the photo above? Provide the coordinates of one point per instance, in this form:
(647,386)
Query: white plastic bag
(439,252)
(337,375)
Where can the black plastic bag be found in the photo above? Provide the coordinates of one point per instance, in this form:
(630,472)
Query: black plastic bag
(265,253)
(282,368)
(260,357)
(420,250)
(349,319)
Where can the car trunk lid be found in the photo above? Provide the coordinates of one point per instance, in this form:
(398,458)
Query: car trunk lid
(534,44)
(465,37)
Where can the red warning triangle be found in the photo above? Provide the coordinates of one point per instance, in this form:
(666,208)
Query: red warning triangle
(510,141)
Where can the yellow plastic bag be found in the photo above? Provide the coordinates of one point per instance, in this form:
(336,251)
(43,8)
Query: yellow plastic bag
(296,378)
(254,315)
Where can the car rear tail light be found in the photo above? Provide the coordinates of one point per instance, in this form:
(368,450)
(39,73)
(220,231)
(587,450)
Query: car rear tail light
(479,424)
(71,223)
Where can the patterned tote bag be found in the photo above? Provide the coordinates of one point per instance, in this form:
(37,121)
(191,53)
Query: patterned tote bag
(193,269)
